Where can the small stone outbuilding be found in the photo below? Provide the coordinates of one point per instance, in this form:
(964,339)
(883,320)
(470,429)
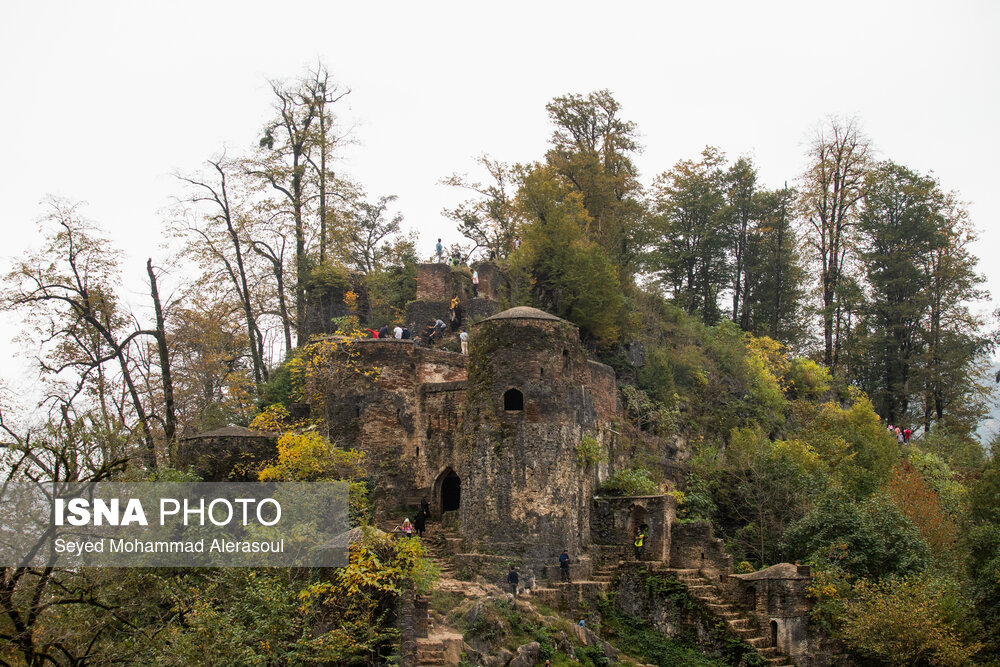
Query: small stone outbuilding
(777,598)
(228,454)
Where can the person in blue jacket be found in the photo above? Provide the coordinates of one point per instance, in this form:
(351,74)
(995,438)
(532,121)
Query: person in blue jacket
(564,565)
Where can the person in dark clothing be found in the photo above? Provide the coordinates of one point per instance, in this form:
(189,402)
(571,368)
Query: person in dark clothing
(384,331)
(425,507)
(564,566)
(406,333)
(420,523)
(512,580)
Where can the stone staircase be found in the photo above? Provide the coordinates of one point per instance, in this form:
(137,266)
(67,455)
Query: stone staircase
(736,620)
(430,651)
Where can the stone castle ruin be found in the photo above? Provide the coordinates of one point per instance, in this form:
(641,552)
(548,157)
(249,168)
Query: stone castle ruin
(493,441)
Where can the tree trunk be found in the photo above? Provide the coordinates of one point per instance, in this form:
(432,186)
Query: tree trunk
(170,419)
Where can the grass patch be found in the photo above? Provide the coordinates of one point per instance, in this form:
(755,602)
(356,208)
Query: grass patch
(638,638)
(444,601)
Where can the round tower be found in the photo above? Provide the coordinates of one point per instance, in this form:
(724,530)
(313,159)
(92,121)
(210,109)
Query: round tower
(526,491)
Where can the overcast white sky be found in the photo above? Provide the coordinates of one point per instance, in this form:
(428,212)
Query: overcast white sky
(102,101)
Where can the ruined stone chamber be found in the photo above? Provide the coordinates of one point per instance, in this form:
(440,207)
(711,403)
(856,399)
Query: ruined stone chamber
(229,454)
(532,396)
(438,283)
(402,412)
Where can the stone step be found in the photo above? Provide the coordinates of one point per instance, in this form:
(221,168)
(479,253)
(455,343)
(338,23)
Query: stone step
(757,642)
(697,588)
(749,633)
(435,658)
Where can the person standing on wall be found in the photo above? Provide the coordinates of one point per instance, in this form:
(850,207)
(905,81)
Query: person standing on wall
(475,284)
(640,539)
(453,312)
(464,337)
(564,566)
(439,251)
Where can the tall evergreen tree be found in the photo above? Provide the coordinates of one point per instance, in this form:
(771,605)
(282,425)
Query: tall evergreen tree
(774,275)
(689,255)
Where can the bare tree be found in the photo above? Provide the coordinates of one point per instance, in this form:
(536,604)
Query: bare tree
(299,137)
(220,240)
(67,292)
(490,220)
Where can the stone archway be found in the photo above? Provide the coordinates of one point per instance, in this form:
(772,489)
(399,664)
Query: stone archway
(638,518)
(448,491)
(774,634)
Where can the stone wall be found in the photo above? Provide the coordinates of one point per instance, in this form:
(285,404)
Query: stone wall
(604,389)
(544,361)
(489,280)
(694,546)
(528,495)
(231,454)
(419,313)
(383,415)
(440,282)
(613,520)
(324,303)
(667,606)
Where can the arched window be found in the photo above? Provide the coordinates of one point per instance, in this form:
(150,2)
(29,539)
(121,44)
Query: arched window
(513,400)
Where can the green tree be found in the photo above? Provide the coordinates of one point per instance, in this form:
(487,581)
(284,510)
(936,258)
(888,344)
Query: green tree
(376,241)
(982,546)
(293,159)
(870,538)
(955,368)
(774,275)
(899,227)
(908,621)
(689,255)
(559,268)
(767,485)
(831,189)
(592,153)
(740,215)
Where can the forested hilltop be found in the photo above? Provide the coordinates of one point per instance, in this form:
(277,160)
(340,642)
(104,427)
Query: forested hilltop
(779,329)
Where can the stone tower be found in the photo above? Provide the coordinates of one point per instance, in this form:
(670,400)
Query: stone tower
(532,397)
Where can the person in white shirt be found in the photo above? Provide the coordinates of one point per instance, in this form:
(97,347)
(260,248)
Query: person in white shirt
(397,332)
(464,337)
(475,284)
